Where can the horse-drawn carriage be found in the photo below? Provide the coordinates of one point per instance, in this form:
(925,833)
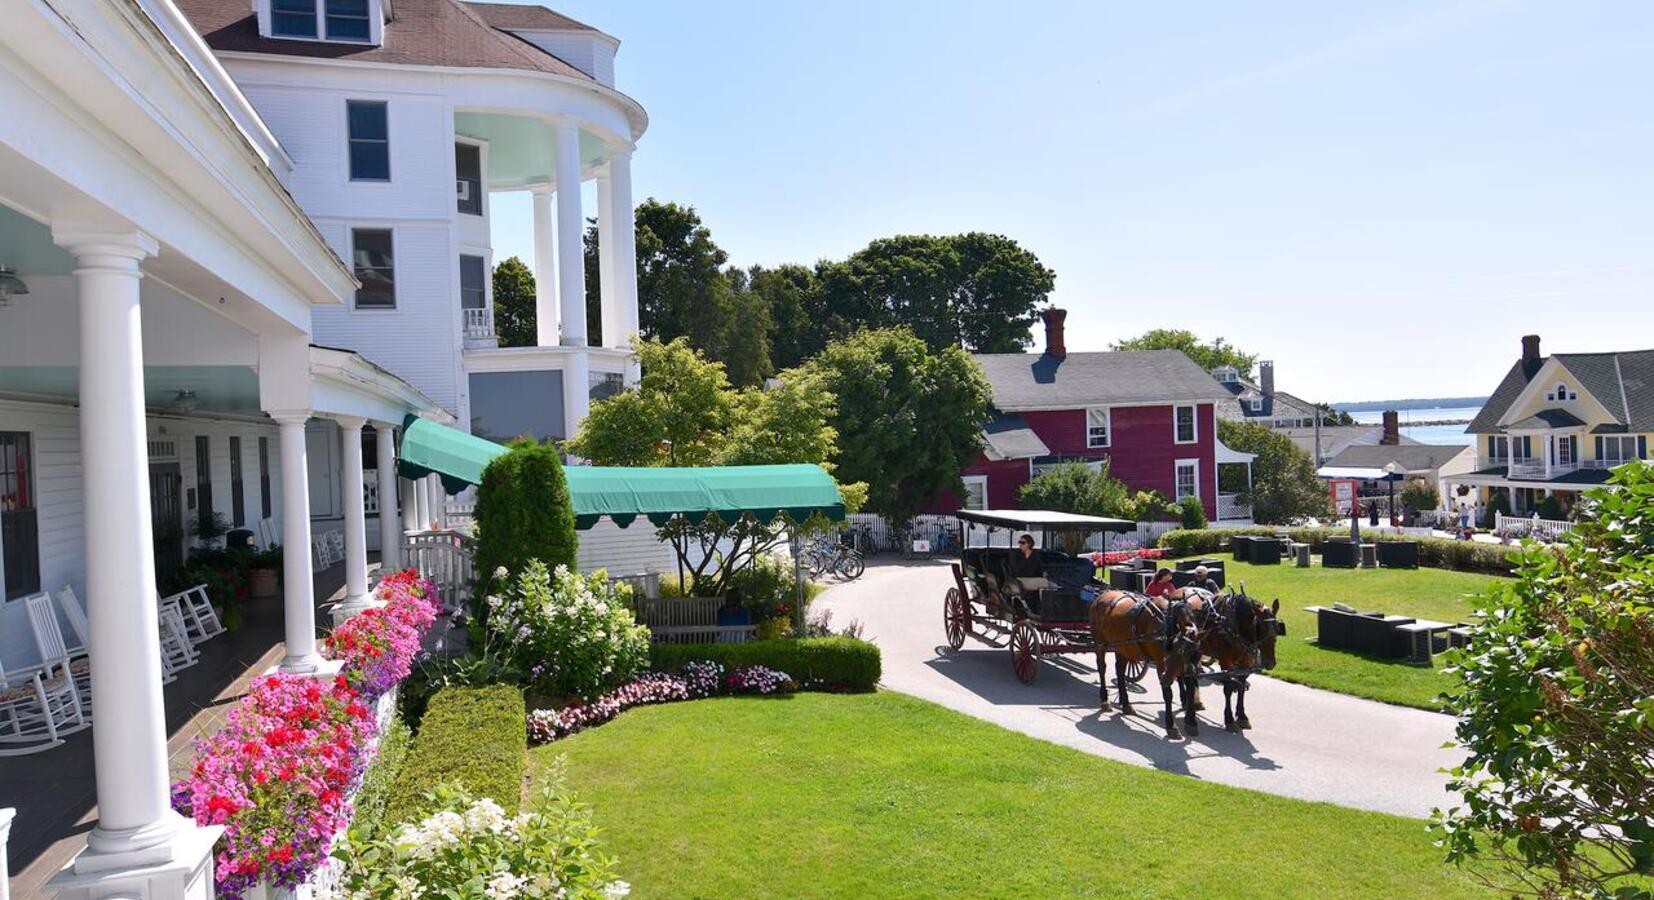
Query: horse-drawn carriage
(1066,610)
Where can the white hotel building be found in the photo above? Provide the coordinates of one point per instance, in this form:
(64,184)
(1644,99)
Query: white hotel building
(240,241)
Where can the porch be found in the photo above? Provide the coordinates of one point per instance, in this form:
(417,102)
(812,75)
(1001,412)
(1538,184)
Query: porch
(55,791)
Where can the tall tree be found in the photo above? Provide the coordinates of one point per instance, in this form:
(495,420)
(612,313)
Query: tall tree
(792,296)
(1207,354)
(514,321)
(1285,490)
(979,291)
(680,271)
(908,418)
(747,331)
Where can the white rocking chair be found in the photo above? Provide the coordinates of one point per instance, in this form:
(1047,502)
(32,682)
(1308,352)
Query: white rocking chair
(200,622)
(176,650)
(33,701)
(57,665)
(80,662)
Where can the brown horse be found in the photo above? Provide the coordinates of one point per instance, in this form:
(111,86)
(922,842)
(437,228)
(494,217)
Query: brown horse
(1239,633)
(1144,629)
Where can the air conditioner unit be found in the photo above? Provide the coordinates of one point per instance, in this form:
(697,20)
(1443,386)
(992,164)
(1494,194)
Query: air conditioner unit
(463,189)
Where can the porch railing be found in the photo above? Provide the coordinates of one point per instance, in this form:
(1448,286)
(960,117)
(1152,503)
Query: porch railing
(1231,506)
(445,558)
(479,323)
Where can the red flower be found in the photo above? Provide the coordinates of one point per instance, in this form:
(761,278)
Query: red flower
(281,854)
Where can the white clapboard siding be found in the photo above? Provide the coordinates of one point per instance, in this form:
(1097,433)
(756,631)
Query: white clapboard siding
(624,551)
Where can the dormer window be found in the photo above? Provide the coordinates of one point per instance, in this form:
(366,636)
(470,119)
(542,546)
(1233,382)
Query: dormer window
(1256,404)
(326,20)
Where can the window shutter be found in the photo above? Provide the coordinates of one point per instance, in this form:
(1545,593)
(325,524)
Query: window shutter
(1599,446)
(1642,446)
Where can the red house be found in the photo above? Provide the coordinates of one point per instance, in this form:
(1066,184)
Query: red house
(1150,414)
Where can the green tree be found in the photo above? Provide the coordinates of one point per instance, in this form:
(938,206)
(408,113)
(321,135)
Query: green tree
(1285,489)
(792,296)
(679,413)
(1206,354)
(979,291)
(747,331)
(1080,489)
(514,322)
(679,277)
(908,418)
(523,513)
(1555,703)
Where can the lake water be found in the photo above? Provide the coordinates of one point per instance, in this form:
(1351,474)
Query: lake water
(1428,434)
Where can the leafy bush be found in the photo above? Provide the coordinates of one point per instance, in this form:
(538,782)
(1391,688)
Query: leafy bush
(471,847)
(1550,508)
(1434,552)
(838,663)
(1556,710)
(765,588)
(1078,488)
(523,513)
(1190,513)
(1498,503)
(472,737)
(1284,486)
(565,633)
(1420,495)
(380,777)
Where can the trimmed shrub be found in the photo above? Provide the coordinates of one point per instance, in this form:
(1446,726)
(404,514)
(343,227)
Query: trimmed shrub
(470,737)
(523,513)
(1190,514)
(1434,552)
(833,662)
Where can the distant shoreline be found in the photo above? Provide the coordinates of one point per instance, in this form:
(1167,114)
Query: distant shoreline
(1411,403)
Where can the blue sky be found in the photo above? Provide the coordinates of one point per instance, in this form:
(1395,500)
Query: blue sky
(1380,197)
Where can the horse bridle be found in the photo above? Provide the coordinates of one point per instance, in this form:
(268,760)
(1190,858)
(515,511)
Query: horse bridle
(1229,621)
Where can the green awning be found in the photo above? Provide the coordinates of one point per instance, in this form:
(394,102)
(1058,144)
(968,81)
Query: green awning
(765,492)
(429,448)
(623,494)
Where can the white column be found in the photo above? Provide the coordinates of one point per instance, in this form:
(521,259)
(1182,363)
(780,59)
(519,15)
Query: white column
(571,254)
(298,593)
(439,501)
(625,248)
(390,518)
(410,505)
(612,325)
(136,825)
(545,269)
(577,392)
(356,523)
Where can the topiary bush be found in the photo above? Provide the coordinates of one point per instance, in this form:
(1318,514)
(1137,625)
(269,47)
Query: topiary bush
(470,737)
(523,513)
(1190,513)
(839,663)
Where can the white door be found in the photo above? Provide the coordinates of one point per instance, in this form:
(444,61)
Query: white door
(322,449)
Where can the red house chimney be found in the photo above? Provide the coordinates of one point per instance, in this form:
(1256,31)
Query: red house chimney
(1530,347)
(1053,332)
(1392,428)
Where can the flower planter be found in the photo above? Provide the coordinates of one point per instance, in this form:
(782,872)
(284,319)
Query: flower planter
(261,582)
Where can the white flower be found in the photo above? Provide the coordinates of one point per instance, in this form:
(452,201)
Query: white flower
(500,572)
(485,815)
(503,886)
(616,889)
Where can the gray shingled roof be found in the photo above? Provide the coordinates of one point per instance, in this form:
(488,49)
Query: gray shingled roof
(1009,437)
(1412,457)
(1622,382)
(1547,418)
(1042,381)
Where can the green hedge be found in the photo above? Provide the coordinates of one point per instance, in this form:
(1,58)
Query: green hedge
(1434,552)
(474,737)
(381,777)
(838,662)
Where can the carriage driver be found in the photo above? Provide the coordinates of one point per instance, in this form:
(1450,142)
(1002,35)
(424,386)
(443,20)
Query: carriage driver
(1027,570)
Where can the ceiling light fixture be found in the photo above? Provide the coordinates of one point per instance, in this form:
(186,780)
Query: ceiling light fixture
(10,285)
(184,401)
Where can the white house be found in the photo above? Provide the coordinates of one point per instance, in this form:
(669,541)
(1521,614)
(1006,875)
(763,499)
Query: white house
(240,241)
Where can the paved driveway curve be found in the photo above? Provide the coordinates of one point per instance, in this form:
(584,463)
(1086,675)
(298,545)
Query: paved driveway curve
(1304,743)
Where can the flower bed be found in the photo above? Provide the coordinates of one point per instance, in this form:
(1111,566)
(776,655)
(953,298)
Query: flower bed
(1115,557)
(281,774)
(699,679)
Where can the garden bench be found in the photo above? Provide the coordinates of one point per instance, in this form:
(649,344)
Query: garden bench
(689,620)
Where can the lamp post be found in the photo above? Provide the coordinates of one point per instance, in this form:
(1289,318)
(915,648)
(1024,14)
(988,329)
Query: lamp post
(1391,473)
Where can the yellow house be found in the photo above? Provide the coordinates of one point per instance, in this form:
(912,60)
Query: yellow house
(1556,425)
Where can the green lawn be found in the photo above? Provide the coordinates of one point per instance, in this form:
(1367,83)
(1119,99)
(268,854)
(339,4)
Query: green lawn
(883,795)
(1424,593)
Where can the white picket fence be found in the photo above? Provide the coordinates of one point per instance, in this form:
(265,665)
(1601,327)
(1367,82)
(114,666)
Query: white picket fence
(872,534)
(1531,526)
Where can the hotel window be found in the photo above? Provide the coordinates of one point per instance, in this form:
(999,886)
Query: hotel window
(293,18)
(347,20)
(264,477)
(374,260)
(473,282)
(238,503)
(976,492)
(1188,478)
(1498,447)
(203,480)
(370,140)
(1567,450)
(468,171)
(1615,449)
(1184,429)
(19,521)
(1096,427)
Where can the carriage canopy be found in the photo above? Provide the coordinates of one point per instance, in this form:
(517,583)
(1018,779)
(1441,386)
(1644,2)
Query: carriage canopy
(1043,520)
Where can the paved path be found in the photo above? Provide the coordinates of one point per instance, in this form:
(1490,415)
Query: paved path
(1305,743)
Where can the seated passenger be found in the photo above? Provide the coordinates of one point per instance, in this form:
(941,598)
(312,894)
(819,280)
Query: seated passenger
(1161,585)
(1027,570)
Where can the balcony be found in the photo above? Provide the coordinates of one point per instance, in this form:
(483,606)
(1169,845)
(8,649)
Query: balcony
(479,328)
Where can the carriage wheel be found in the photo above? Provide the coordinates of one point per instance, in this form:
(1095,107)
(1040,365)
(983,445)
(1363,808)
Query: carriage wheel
(956,618)
(1025,651)
(1136,669)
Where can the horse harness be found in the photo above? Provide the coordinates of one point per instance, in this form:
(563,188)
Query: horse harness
(1166,620)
